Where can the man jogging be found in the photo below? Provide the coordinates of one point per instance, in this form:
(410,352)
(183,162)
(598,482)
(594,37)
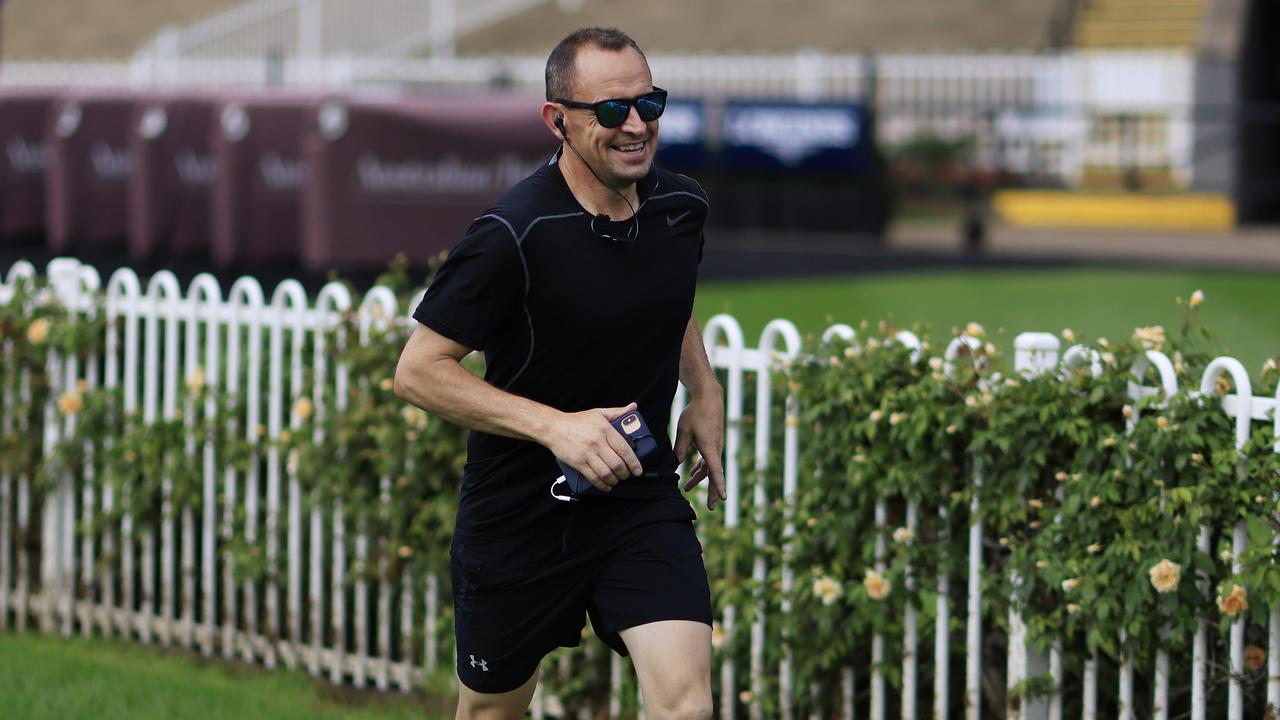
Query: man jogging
(578,287)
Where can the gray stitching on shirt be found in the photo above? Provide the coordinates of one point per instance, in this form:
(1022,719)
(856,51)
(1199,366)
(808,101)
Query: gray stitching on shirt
(680,192)
(525,266)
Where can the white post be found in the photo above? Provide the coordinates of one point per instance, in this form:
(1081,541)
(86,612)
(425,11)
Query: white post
(1035,353)
(911,639)
(1243,400)
(877,638)
(732,506)
(1273,632)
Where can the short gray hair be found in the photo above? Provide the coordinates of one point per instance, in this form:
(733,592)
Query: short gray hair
(560,64)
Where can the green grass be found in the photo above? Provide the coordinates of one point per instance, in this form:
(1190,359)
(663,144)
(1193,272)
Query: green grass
(1241,308)
(50,677)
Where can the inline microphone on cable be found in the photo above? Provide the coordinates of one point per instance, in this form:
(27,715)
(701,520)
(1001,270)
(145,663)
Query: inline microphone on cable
(634,231)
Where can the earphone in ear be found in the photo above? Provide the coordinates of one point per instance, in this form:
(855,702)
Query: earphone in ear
(559,123)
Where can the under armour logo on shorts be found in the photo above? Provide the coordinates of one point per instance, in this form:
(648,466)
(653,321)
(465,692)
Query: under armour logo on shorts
(482,664)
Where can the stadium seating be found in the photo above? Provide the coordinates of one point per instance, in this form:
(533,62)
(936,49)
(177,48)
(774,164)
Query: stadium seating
(774,25)
(92,29)
(1113,24)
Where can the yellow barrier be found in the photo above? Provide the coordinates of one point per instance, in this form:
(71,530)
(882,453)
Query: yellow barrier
(1187,211)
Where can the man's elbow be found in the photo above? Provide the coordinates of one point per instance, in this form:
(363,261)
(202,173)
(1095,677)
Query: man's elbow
(405,385)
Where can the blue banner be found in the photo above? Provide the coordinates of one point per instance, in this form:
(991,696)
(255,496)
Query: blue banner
(682,136)
(792,136)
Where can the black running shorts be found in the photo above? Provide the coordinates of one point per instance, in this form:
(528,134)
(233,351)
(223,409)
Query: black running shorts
(505,627)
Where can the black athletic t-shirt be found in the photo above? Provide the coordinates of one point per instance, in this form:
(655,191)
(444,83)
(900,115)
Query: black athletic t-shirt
(572,318)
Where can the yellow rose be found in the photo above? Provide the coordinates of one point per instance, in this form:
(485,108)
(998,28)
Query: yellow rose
(1073,608)
(1068,335)
(827,589)
(951,429)
(1254,657)
(877,586)
(413,417)
(1222,385)
(302,407)
(70,403)
(405,551)
(195,381)
(875,416)
(973,329)
(1165,576)
(1070,584)
(1197,297)
(1236,602)
(718,636)
(1151,338)
(1162,423)
(38,331)
(1095,501)
(895,418)
(903,535)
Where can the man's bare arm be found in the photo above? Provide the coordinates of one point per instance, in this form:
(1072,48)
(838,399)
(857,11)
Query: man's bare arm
(429,375)
(702,422)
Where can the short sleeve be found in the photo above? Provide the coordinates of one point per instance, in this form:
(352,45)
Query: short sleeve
(479,289)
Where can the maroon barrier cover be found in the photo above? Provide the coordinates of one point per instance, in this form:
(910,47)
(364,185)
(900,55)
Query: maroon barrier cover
(409,175)
(257,148)
(91,161)
(172,176)
(25,162)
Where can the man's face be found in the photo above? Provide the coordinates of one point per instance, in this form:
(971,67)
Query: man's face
(624,154)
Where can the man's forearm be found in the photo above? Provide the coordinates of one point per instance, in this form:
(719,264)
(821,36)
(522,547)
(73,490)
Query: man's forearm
(443,387)
(695,368)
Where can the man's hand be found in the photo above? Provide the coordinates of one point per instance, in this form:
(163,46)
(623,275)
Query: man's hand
(702,426)
(587,442)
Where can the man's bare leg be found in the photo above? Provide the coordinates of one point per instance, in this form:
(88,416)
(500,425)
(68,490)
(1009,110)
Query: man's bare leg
(673,664)
(495,706)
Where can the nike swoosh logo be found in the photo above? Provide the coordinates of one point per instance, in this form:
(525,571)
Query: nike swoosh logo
(671,221)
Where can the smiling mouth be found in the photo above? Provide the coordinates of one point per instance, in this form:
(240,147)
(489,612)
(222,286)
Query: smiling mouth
(631,148)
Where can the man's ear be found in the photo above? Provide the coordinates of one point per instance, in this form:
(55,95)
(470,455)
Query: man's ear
(553,118)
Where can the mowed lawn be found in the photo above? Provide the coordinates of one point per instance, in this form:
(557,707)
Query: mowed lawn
(44,677)
(1242,309)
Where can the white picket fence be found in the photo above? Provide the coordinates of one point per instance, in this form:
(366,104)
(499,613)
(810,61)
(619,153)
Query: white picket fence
(152,345)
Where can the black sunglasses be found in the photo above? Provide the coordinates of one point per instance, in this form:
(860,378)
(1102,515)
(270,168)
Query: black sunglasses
(613,112)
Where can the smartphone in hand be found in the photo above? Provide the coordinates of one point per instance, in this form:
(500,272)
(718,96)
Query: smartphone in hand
(634,430)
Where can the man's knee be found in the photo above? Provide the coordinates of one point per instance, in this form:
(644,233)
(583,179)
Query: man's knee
(473,706)
(691,705)
(497,706)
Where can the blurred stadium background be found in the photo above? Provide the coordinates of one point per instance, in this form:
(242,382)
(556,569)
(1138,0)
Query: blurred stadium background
(303,136)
